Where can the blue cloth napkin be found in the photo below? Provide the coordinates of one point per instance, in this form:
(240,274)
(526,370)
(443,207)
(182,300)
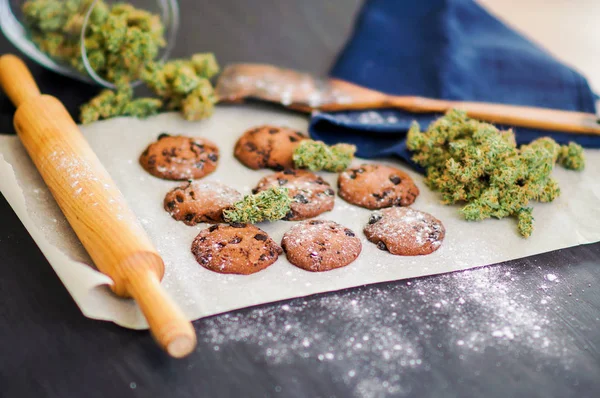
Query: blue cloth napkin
(449,49)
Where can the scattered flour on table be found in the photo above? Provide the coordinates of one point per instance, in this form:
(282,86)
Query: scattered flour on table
(382,334)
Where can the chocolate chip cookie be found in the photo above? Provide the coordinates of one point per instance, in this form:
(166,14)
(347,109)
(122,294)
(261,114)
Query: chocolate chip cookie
(310,194)
(405,231)
(319,245)
(180,158)
(200,201)
(375,186)
(269,147)
(235,249)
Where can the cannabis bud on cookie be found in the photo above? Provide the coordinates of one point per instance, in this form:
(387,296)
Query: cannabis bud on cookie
(270,205)
(316,155)
(309,194)
(280,148)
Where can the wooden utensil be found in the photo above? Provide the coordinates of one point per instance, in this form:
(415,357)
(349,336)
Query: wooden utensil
(306,93)
(94,206)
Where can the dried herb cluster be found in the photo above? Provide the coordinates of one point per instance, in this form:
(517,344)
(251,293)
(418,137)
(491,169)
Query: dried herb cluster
(184,84)
(121,44)
(474,163)
(316,155)
(270,205)
(119,39)
(110,103)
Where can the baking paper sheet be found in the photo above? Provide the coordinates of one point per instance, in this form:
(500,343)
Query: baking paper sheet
(572,219)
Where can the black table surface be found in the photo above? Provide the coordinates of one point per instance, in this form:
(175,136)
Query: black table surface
(528,327)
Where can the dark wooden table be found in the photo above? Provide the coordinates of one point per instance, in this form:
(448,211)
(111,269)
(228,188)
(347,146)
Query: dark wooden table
(524,328)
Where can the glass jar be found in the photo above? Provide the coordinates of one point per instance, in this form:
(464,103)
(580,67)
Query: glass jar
(10,23)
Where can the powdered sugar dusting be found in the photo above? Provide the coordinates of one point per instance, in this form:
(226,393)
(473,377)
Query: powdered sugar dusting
(79,175)
(320,245)
(180,157)
(370,118)
(375,339)
(200,197)
(376,186)
(281,85)
(73,169)
(403,230)
(222,193)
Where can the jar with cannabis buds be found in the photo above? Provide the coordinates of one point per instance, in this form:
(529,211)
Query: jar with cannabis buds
(97,41)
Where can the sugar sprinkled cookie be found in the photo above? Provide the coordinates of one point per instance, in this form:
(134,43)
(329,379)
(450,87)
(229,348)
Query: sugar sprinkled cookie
(405,231)
(200,201)
(310,194)
(268,146)
(319,245)
(235,249)
(179,157)
(376,186)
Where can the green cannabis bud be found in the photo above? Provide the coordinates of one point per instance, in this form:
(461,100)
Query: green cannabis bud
(474,163)
(121,44)
(184,84)
(111,103)
(270,205)
(316,155)
(119,39)
(525,221)
(205,64)
(571,157)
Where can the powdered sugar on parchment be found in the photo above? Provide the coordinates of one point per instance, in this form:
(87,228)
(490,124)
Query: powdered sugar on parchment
(570,220)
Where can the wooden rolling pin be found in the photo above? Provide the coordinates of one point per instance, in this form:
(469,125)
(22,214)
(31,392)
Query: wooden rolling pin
(94,206)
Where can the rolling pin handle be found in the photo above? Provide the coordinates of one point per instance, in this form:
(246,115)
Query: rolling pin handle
(120,249)
(16,80)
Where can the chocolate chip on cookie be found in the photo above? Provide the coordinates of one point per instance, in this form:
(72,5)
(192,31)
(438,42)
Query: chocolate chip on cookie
(310,194)
(180,158)
(269,147)
(235,249)
(376,186)
(200,201)
(405,231)
(319,245)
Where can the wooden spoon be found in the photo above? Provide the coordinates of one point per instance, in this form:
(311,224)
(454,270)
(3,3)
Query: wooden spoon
(306,93)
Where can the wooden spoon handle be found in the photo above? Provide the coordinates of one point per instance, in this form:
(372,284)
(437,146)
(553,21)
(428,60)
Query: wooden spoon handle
(512,115)
(94,206)
(359,98)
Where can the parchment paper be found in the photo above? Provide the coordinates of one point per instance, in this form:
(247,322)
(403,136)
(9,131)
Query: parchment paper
(572,219)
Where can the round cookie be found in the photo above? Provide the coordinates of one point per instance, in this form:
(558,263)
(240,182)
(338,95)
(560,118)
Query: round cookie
(268,146)
(235,249)
(200,201)
(375,186)
(319,245)
(311,195)
(405,231)
(180,158)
